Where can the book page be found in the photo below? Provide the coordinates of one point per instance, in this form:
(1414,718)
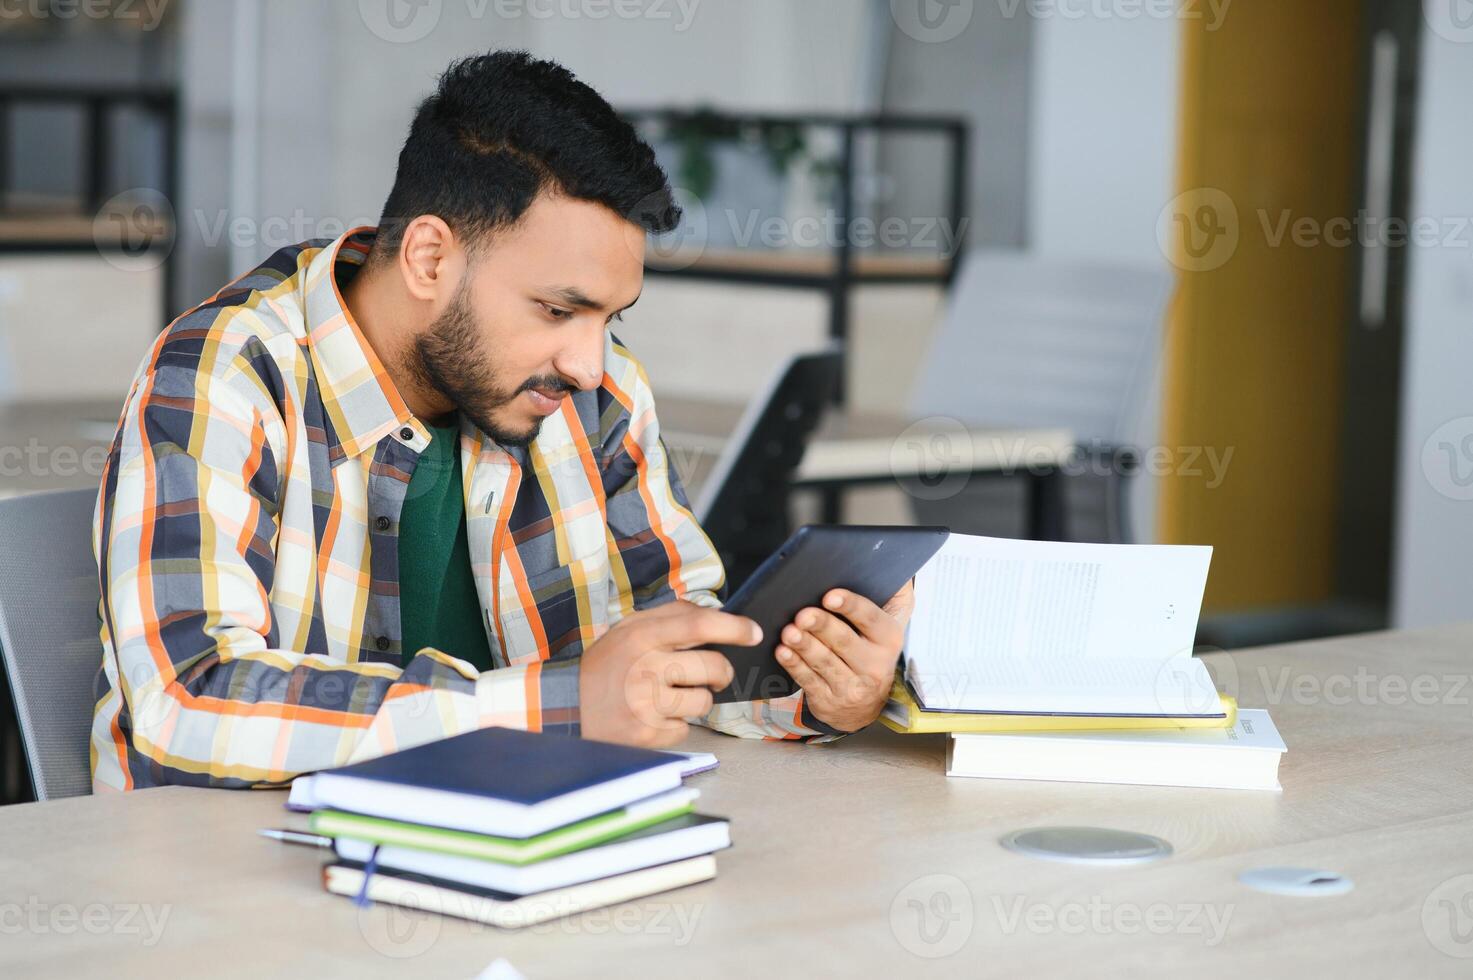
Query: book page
(1011,625)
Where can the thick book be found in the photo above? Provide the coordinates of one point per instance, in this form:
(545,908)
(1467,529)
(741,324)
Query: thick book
(673,840)
(1054,628)
(903,715)
(508,911)
(499,781)
(1245,756)
(507,850)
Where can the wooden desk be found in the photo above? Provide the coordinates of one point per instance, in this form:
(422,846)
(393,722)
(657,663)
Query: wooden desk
(832,845)
(855,449)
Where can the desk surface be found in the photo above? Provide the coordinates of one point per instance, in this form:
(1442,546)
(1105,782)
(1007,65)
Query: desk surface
(853,446)
(840,848)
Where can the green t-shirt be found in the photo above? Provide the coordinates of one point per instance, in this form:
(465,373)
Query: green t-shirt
(438,605)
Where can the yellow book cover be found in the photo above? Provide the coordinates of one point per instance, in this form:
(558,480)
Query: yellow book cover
(902,714)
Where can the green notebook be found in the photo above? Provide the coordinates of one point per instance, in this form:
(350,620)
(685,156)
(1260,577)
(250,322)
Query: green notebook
(507,850)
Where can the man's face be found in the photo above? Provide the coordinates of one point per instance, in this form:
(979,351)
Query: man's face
(526,325)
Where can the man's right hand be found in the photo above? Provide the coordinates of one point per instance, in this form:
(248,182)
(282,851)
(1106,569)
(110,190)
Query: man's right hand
(642,679)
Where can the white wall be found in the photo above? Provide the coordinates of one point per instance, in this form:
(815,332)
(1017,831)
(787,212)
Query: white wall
(1103,134)
(338,93)
(1102,164)
(1433,565)
(334,95)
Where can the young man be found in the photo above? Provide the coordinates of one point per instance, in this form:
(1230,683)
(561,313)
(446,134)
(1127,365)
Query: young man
(405,484)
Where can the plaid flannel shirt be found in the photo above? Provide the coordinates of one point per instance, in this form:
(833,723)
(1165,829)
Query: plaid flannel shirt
(246,539)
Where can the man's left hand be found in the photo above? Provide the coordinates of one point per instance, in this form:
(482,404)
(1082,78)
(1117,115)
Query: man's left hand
(844,655)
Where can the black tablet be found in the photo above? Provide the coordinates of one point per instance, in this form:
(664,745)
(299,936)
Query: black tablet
(873,561)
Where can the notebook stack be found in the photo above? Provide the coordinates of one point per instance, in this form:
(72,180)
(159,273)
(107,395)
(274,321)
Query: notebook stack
(512,828)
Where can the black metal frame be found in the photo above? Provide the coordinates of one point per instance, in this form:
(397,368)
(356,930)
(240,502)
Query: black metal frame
(98,103)
(837,283)
(748,518)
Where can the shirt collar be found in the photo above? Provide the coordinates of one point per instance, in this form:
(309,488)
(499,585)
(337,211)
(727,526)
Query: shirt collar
(358,396)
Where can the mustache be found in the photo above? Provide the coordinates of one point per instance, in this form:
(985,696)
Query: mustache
(546,382)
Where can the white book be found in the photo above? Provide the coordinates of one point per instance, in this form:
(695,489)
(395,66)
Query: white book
(681,837)
(1245,756)
(1046,627)
(516,911)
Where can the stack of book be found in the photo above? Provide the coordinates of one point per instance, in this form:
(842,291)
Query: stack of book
(512,828)
(1061,661)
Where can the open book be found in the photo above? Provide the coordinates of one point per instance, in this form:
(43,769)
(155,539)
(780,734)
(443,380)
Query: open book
(1043,627)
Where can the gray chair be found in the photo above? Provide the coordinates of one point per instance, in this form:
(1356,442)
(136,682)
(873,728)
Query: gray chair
(48,633)
(1038,341)
(743,505)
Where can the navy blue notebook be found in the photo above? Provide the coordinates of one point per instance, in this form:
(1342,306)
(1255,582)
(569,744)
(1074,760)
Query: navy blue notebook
(499,781)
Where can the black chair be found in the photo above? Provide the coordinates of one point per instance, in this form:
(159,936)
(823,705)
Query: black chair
(744,503)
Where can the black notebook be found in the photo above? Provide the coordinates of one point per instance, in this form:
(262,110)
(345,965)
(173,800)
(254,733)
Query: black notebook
(499,781)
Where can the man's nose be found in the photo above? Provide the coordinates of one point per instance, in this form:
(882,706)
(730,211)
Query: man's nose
(583,364)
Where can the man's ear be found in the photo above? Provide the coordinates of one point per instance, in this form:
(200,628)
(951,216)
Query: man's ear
(431,260)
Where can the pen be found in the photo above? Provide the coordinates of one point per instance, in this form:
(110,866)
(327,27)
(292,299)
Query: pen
(296,837)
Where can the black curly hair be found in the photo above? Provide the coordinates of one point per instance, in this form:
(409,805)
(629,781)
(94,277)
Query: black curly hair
(503,127)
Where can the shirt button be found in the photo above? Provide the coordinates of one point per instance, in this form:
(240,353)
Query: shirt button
(382,523)
(406,433)
(382,643)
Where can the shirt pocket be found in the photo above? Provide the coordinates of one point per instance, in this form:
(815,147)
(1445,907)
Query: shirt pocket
(569,609)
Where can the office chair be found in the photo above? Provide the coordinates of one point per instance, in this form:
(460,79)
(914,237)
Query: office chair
(1039,342)
(744,503)
(48,633)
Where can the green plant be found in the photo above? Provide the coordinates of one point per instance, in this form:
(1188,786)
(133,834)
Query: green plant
(696,133)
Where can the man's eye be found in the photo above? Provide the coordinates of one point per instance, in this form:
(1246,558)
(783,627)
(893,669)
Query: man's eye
(557,313)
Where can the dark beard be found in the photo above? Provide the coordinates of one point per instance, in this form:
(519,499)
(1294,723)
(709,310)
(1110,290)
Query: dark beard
(447,359)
